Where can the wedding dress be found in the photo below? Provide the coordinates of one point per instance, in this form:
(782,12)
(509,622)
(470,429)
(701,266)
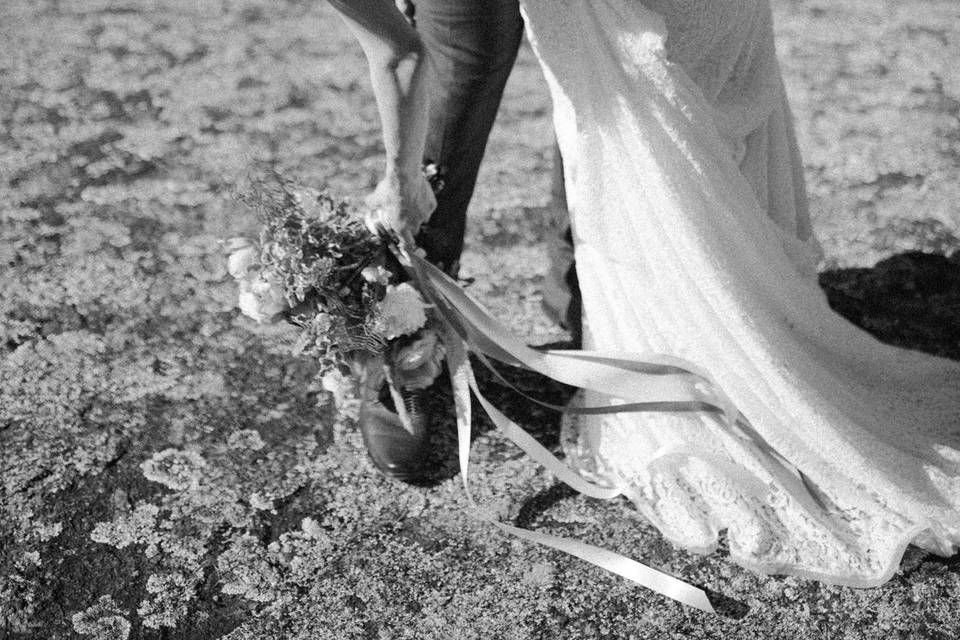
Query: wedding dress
(693,240)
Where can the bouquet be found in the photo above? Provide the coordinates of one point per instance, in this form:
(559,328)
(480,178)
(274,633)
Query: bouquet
(318,266)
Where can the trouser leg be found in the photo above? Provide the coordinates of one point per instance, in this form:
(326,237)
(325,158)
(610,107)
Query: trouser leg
(567,266)
(561,291)
(472,46)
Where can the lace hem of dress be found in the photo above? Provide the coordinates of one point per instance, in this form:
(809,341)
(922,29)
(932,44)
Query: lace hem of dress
(774,525)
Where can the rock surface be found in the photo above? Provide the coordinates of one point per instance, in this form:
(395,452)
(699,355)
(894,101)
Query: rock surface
(166,470)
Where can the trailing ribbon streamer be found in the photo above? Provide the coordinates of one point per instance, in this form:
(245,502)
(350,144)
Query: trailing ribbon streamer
(463,383)
(666,378)
(649,383)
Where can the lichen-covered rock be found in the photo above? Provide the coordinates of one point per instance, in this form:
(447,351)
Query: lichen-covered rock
(170,452)
(175,469)
(102,621)
(138,527)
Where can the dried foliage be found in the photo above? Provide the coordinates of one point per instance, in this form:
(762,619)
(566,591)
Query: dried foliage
(318,247)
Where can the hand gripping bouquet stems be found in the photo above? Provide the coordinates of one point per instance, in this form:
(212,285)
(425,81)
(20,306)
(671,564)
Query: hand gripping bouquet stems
(317,266)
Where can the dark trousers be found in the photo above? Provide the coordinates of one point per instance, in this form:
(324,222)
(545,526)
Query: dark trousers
(472,46)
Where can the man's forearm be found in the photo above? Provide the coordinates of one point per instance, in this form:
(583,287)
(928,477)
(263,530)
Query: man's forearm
(400,87)
(398,73)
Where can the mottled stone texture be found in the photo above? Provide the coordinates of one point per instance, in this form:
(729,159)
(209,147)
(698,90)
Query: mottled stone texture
(166,470)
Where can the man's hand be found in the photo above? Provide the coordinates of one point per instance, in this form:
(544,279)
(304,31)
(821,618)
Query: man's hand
(400,205)
(397,59)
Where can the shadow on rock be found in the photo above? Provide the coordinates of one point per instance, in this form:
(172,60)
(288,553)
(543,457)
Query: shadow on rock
(727,607)
(909,300)
(500,388)
(534,506)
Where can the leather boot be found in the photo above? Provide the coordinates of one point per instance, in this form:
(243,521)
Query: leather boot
(397,441)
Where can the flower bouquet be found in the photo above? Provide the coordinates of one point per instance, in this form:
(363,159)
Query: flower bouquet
(318,266)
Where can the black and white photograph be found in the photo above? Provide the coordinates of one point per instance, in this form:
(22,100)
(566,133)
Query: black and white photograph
(513,319)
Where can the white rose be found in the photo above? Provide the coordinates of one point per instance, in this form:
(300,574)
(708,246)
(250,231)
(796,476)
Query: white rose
(242,260)
(376,274)
(337,384)
(332,381)
(401,311)
(261,298)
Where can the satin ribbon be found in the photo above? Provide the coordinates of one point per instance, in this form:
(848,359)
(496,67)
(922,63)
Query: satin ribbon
(646,382)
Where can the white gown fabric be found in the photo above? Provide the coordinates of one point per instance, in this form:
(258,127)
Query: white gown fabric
(693,239)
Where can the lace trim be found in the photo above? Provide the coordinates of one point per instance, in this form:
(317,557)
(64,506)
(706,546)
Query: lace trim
(691,502)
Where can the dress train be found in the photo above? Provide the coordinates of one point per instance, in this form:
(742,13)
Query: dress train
(693,239)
